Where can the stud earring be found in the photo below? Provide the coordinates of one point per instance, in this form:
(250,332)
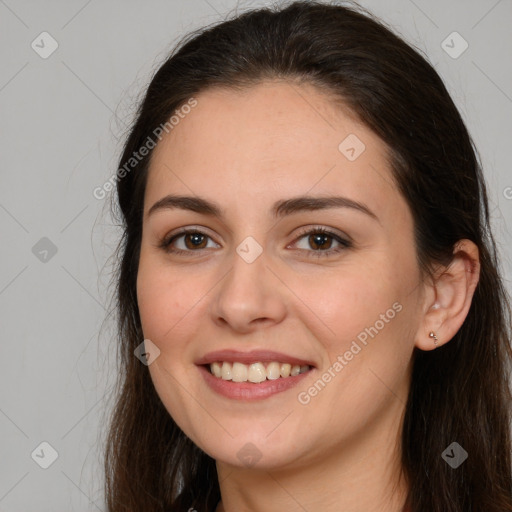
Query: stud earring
(432,335)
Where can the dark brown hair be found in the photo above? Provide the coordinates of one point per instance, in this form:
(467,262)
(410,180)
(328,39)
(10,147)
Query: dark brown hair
(459,392)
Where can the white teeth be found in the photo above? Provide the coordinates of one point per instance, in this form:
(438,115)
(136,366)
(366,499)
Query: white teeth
(285,369)
(238,372)
(216,369)
(273,371)
(256,372)
(226,371)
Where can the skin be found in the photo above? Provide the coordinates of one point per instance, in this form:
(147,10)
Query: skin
(246,150)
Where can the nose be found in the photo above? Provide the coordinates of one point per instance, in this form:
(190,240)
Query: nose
(250,296)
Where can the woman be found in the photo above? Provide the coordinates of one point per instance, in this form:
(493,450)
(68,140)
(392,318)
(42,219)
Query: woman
(308,280)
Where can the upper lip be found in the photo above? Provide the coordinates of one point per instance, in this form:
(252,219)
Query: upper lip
(254,356)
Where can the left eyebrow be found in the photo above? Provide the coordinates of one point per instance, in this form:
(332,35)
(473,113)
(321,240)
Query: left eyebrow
(280,208)
(310,203)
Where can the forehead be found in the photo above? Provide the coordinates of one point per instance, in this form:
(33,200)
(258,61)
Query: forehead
(267,119)
(268,139)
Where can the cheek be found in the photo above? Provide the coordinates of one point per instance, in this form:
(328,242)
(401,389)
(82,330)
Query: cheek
(164,296)
(167,302)
(342,303)
(363,316)
(155,302)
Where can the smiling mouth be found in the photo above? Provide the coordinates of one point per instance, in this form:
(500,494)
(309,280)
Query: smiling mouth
(255,372)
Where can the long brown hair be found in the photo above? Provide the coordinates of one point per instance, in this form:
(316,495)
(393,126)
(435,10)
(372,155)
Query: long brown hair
(459,392)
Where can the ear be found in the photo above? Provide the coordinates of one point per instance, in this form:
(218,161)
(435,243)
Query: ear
(448,297)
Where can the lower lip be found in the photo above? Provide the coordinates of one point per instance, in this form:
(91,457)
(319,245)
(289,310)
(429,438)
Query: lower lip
(247,390)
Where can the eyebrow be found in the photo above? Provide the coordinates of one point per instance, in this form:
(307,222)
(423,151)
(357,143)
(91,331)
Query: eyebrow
(279,209)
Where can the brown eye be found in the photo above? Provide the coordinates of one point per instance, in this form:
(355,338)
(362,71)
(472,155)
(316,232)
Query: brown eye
(187,241)
(194,240)
(319,242)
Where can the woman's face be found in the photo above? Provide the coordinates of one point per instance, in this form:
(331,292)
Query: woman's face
(259,290)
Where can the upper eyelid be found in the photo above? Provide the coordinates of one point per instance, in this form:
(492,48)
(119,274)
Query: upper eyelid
(187,230)
(327,230)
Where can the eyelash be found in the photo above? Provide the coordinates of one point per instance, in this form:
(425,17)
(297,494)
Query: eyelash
(165,244)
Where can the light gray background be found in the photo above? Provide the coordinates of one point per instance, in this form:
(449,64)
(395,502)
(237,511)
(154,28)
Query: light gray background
(62,124)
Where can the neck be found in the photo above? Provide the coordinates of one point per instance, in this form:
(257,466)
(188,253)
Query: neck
(362,474)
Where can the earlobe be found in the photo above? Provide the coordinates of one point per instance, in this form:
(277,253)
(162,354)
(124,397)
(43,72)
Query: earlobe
(433,335)
(452,290)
